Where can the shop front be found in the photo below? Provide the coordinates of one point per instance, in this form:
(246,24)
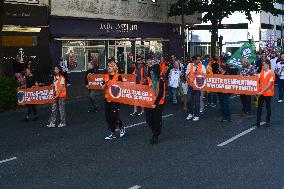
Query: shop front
(96,41)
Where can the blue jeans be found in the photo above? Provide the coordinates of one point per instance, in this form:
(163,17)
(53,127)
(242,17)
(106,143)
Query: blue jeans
(225,105)
(281,88)
(194,101)
(212,98)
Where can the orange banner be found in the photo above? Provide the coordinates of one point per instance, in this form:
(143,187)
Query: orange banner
(37,95)
(132,94)
(95,81)
(234,84)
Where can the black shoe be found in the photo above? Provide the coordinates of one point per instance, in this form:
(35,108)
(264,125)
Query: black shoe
(27,119)
(154,140)
(134,114)
(92,110)
(268,124)
(225,120)
(256,125)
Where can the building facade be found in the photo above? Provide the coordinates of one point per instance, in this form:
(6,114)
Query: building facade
(236,29)
(26,32)
(95,30)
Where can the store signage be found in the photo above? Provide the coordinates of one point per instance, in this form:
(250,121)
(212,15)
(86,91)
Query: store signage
(121,27)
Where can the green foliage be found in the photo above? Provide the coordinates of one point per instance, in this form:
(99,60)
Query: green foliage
(8,93)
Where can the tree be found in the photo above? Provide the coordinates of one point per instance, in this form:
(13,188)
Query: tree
(216,10)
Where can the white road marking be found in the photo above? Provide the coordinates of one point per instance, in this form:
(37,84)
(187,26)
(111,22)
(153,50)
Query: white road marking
(144,122)
(135,187)
(6,160)
(238,136)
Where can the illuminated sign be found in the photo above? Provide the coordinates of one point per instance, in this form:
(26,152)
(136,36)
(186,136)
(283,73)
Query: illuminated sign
(122,28)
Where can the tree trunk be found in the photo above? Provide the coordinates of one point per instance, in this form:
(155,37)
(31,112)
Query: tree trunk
(214,37)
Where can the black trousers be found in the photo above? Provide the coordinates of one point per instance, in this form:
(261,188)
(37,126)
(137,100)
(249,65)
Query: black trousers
(261,100)
(154,119)
(246,101)
(112,115)
(31,108)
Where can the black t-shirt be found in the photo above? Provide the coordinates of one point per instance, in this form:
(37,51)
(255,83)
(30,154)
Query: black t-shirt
(30,81)
(17,67)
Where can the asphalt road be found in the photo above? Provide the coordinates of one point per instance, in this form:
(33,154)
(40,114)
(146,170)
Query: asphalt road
(188,156)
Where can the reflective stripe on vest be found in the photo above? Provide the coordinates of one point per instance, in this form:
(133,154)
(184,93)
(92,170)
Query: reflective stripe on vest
(109,82)
(192,73)
(60,93)
(263,82)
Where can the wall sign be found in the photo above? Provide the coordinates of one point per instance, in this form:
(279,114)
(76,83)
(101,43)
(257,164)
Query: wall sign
(120,27)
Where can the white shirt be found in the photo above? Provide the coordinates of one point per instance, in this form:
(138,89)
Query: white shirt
(63,65)
(203,70)
(273,63)
(280,69)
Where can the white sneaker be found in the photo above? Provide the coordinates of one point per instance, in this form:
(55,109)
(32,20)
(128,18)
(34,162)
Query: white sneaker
(51,125)
(195,119)
(280,101)
(61,125)
(110,137)
(189,117)
(121,132)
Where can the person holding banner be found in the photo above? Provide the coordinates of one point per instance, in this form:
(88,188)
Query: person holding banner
(59,85)
(141,78)
(112,108)
(30,83)
(92,92)
(154,114)
(266,92)
(194,95)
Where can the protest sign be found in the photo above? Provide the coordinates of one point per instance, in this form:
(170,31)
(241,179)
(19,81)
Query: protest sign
(95,81)
(234,84)
(36,95)
(132,94)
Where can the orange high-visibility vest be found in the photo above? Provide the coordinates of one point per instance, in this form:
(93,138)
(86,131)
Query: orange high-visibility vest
(263,82)
(60,93)
(163,66)
(192,72)
(162,101)
(209,69)
(109,82)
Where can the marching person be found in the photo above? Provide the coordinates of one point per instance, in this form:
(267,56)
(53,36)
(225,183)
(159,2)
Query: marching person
(141,78)
(174,80)
(194,95)
(30,83)
(212,68)
(266,92)
(184,84)
(92,92)
(154,114)
(247,70)
(59,85)
(112,108)
(224,98)
(280,73)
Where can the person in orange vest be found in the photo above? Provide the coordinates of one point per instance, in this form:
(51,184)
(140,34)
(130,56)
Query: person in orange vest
(59,85)
(194,95)
(163,65)
(112,108)
(266,92)
(141,78)
(154,114)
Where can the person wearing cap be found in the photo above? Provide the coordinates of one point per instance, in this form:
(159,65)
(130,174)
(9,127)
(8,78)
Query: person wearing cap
(141,73)
(112,108)
(59,85)
(154,114)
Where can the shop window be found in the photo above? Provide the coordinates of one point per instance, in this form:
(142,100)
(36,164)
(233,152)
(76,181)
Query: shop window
(96,56)
(75,57)
(95,43)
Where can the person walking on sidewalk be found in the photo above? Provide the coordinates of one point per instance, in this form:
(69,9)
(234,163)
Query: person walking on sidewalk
(91,92)
(154,114)
(59,85)
(266,92)
(194,95)
(112,108)
(174,81)
(30,83)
